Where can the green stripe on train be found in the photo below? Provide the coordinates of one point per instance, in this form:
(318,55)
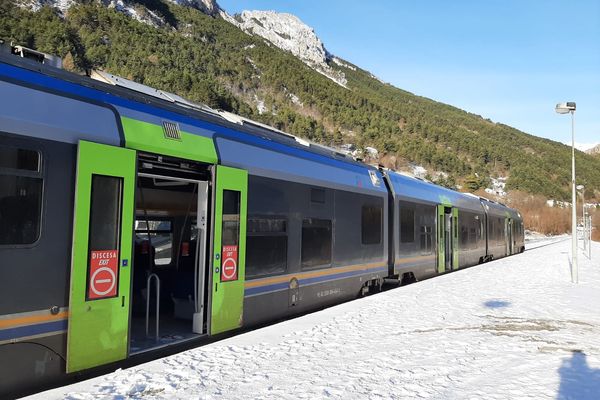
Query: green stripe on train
(149,137)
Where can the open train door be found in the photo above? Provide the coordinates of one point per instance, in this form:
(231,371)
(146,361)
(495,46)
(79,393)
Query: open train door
(454,238)
(229,249)
(101,254)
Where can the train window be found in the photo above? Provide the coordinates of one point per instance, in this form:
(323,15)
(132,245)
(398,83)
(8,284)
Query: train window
(520,229)
(257,226)
(426,239)
(480,228)
(266,250)
(231,218)
(317,195)
(407,225)
(19,159)
(105,212)
(316,242)
(20,209)
(371,224)
(159,233)
(464,236)
(21,187)
(472,238)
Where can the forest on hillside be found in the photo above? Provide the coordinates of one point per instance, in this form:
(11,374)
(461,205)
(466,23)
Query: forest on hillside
(211,61)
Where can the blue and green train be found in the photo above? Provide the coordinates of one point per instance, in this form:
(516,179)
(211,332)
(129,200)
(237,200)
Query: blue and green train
(133,220)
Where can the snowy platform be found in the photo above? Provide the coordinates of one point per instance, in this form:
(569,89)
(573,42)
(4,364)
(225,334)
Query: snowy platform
(515,328)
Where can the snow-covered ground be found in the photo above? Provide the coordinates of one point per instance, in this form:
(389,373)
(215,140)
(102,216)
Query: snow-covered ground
(515,328)
(532,239)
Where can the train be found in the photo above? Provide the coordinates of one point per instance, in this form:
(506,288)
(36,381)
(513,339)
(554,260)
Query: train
(133,220)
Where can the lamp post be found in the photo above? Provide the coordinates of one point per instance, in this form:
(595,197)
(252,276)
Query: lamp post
(584,224)
(566,108)
(589,235)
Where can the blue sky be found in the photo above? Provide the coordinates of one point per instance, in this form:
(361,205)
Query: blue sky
(510,61)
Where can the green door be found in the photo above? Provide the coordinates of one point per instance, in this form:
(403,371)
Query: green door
(441,239)
(454,238)
(447,236)
(229,249)
(101,256)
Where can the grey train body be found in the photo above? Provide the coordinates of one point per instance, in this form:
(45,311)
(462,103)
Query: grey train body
(321,228)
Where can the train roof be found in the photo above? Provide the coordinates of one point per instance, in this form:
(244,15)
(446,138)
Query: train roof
(259,148)
(241,142)
(127,89)
(414,189)
(499,209)
(409,188)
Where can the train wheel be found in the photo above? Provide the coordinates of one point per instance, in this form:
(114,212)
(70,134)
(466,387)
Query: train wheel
(407,279)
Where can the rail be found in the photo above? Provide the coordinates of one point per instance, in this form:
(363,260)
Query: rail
(148,287)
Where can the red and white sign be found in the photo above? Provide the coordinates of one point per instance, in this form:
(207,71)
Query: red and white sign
(104,271)
(229,270)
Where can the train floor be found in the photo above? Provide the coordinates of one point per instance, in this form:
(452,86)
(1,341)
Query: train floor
(171,330)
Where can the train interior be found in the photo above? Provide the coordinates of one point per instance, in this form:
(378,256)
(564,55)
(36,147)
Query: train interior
(169,274)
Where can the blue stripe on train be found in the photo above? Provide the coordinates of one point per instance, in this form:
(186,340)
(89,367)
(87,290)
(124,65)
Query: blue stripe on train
(415,263)
(268,288)
(90,93)
(32,330)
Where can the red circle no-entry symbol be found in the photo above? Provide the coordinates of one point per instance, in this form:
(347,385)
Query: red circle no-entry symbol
(103,274)
(229,271)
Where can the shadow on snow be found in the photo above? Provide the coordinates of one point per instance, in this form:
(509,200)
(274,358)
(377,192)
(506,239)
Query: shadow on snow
(496,304)
(577,379)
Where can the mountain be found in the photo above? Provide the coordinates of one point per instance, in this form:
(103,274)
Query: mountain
(287,32)
(273,68)
(594,151)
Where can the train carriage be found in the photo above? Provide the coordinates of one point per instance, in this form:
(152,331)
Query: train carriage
(316,231)
(128,212)
(132,220)
(505,233)
(435,229)
(504,230)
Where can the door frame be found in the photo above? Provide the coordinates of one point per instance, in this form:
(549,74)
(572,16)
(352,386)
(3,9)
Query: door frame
(199,317)
(509,236)
(455,238)
(448,239)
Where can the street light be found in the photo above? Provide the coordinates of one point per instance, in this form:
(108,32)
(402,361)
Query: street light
(582,189)
(565,108)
